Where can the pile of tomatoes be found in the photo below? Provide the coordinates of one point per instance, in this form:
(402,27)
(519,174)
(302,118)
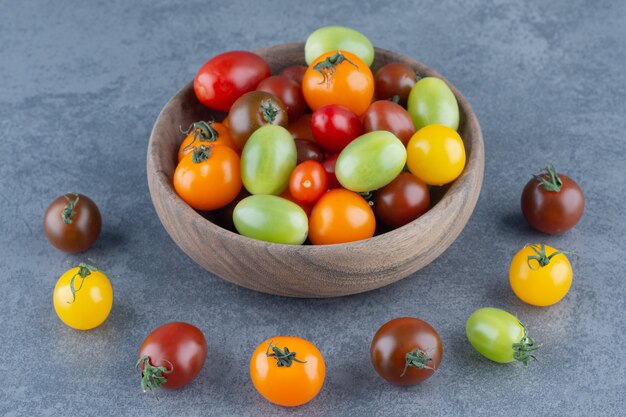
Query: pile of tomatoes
(323,151)
(318,178)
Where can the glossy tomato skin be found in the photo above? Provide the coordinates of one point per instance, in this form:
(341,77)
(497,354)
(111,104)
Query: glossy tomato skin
(341,216)
(389,116)
(329,167)
(394,79)
(401,201)
(288,91)
(193,140)
(332,38)
(308,150)
(492,332)
(226,77)
(294,72)
(179,347)
(84,227)
(348,83)
(432,102)
(537,284)
(334,127)
(398,337)
(248,114)
(436,154)
(550,211)
(293,385)
(307,182)
(301,128)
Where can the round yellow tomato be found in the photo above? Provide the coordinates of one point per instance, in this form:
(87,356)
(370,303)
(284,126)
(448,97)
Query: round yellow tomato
(540,275)
(287,370)
(83,297)
(436,154)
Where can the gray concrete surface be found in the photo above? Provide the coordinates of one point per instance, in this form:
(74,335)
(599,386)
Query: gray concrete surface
(80,86)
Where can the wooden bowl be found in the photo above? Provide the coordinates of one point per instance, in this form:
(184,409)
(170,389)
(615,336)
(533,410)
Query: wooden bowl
(306,270)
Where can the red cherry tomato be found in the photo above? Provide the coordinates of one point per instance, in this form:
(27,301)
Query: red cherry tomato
(334,127)
(394,79)
(389,116)
(295,72)
(307,182)
(226,77)
(171,356)
(329,167)
(401,201)
(288,91)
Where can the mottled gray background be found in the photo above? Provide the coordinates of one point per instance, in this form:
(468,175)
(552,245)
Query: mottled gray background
(81,83)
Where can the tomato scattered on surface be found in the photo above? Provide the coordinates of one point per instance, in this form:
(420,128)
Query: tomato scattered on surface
(72,223)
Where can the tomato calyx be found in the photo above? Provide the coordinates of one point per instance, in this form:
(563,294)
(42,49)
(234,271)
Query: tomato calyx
(328,67)
(68,210)
(203,132)
(283,356)
(542,257)
(395,99)
(552,182)
(522,350)
(152,376)
(269,111)
(417,359)
(84,270)
(201,154)
(367,196)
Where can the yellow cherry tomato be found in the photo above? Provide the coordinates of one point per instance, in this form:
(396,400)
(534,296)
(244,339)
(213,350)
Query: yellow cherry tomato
(540,275)
(83,297)
(436,154)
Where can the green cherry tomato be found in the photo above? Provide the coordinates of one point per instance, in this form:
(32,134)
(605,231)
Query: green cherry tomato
(370,161)
(267,160)
(272,219)
(431,102)
(330,38)
(499,336)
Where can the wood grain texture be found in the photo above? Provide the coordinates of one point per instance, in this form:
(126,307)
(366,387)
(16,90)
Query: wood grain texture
(309,271)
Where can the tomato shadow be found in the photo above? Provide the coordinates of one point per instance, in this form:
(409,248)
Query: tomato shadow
(514,222)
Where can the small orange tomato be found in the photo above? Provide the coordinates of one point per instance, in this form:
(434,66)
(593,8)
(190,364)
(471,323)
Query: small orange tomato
(287,370)
(339,77)
(206,133)
(209,177)
(341,216)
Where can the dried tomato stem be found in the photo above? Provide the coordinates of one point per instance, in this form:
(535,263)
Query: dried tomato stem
(68,210)
(152,376)
(417,359)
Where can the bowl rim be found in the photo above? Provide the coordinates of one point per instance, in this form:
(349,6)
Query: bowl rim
(473,171)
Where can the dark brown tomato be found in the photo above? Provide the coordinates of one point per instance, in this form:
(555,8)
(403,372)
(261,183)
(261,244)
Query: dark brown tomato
(295,72)
(394,79)
(401,201)
(406,351)
(389,116)
(253,110)
(329,167)
(552,203)
(288,91)
(72,223)
(301,128)
(308,151)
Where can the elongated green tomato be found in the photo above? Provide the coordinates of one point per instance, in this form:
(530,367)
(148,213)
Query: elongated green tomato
(331,38)
(370,162)
(272,219)
(267,160)
(499,336)
(431,102)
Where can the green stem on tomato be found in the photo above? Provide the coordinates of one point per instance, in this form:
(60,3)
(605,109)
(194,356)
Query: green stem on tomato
(522,350)
(283,356)
(552,183)
(68,210)
(152,376)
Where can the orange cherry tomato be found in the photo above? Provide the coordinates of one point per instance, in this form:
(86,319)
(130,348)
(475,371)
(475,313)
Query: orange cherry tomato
(301,128)
(287,370)
(308,182)
(341,216)
(209,177)
(339,77)
(206,133)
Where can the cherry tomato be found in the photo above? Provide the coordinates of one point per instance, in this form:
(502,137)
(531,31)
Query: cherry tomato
(306,207)
(308,151)
(540,275)
(287,370)
(208,178)
(401,201)
(341,216)
(436,155)
(394,79)
(72,223)
(294,72)
(171,356)
(332,38)
(334,127)
(307,182)
(431,102)
(552,203)
(499,336)
(339,77)
(406,351)
(206,133)
(83,297)
(226,77)
(329,167)
(301,128)
(389,116)
(288,91)
(253,110)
